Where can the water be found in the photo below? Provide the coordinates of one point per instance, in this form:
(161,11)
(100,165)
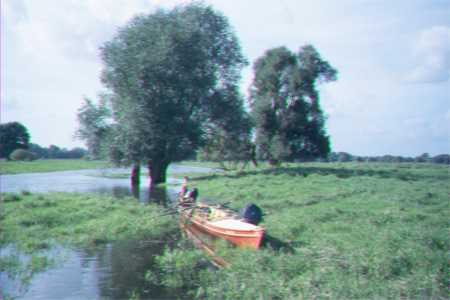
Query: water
(112,271)
(94,181)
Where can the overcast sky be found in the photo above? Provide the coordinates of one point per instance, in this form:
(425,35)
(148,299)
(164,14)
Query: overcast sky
(393,57)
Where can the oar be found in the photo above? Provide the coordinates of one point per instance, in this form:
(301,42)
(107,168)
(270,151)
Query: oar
(175,211)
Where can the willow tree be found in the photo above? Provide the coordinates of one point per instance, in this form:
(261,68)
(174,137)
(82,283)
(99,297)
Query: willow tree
(173,73)
(289,122)
(93,126)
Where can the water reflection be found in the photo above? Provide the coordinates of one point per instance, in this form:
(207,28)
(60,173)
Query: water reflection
(128,263)
(160,194)
(112,271)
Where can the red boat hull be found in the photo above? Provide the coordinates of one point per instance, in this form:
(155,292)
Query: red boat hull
(245,238)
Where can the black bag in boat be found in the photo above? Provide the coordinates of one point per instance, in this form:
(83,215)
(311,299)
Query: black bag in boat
(252,214)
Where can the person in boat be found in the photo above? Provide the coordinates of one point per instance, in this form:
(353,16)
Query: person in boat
(187,197)
(190,197)
(193,194)
(184,188)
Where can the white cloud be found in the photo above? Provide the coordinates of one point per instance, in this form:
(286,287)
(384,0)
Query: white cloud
(14,10)
(432,54)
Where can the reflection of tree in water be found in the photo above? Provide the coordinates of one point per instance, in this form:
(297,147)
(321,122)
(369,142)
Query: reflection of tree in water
(17,269)
(121,268)
(159,194)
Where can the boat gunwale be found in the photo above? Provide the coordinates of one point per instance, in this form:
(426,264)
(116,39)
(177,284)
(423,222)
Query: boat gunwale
(230,232)
(250,240)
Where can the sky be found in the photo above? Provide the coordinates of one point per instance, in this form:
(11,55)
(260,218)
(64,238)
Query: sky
(392,95)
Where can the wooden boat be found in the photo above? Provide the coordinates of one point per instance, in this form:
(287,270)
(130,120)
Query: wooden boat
(219,223)
(204,224)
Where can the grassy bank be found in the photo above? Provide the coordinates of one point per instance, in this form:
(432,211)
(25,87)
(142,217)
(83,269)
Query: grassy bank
(49,165)
(337,231)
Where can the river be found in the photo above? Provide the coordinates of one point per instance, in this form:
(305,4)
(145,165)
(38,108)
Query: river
(111,271)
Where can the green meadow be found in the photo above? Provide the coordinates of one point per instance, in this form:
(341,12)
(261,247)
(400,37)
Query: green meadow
(49,165)
(335,231)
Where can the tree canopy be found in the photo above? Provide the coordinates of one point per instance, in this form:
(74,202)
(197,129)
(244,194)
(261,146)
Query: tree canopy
(289,122)
(13,135)
(174,75)
(93,126)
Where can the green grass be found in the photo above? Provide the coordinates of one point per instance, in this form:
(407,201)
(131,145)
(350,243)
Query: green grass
(32,222)
(338,231)
(203,164)
(49,165)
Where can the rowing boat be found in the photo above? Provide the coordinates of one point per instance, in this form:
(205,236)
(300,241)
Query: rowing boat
(219,223)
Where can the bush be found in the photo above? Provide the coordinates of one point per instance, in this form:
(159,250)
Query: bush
(10,197)
(22,155)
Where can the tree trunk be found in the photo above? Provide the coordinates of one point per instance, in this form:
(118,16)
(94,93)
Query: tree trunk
(136,175)
(135,190)
(157,171)
(253,155)
(136,179)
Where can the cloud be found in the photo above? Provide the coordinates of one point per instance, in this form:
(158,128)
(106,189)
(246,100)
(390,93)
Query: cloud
(14,10)
(432,53)
(50,59)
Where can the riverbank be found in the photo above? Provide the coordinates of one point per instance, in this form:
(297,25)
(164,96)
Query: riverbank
(50,165)
(337,231)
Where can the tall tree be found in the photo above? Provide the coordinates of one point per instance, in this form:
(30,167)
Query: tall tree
(173,73)
(13,136)
(231,143)
(94,127)
(285,104)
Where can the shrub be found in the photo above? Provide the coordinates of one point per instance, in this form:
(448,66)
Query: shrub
(10,197)
(22,155)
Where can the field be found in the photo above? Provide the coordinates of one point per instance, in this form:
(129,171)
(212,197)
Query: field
(49,165)
(336,231)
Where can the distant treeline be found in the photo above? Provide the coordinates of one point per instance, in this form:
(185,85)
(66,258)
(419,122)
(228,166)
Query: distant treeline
(424,158)
(15,145)
(56,152)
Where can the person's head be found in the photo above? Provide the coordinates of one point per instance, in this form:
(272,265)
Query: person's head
(194,193)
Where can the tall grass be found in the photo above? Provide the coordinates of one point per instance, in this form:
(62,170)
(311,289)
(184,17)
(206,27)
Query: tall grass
(343,231)
(36,221)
